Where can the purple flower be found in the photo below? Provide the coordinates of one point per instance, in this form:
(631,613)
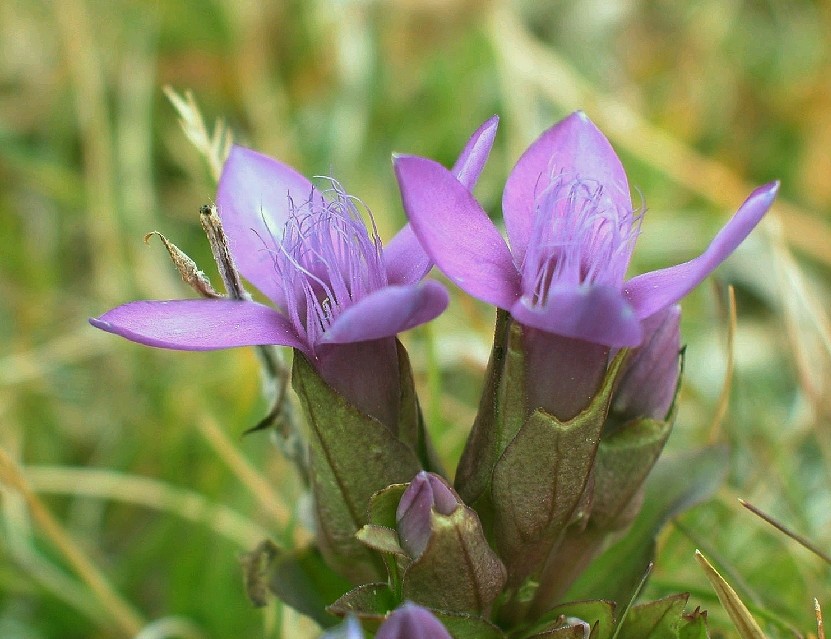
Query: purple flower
(412,622)
(311,253)
(571,227)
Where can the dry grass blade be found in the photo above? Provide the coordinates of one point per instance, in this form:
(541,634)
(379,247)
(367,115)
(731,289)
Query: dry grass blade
(724,397)
(739,614)
(150,493)
(215,146)
(121,612)
(556,79)
(820,624)
(802,541)
(245,472)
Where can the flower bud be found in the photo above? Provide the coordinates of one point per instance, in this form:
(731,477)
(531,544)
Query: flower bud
(649,380)
(427,492)
(412,622)
(451,566)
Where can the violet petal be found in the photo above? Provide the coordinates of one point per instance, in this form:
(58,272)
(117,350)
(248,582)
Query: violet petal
(253,203)
(652,292)
(647,384)
(456,232)
(598,314)
(406,261)
(472,160)
(388,311)
(199,325)
(573,146)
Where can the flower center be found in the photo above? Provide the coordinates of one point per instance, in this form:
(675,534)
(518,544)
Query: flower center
(327,259)
(580,237)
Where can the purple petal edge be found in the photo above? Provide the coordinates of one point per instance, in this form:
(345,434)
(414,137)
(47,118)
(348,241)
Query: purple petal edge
(456,232)
(597,314)
(253,202)
(199,325)
(404,258)
(472,159)
(652,292)
(574,146)
(387,312)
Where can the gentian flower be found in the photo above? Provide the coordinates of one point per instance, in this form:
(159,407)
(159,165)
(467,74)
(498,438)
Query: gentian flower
(339,297)
(571,228)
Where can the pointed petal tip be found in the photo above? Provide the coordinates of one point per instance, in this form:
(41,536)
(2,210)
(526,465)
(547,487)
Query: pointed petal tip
(102,324)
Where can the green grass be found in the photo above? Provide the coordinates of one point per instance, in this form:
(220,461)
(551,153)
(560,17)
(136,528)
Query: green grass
(701,102)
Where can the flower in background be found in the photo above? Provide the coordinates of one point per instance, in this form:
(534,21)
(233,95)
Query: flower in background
(412,622)
(406,622)
(571,228)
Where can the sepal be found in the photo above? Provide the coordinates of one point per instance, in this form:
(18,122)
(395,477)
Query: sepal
(675,484)
(345,474)
(451,567)
(501,413)
(542,483)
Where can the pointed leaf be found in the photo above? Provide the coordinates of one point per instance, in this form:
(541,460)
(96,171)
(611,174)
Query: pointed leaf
(461,626)
(573,631)
(655,619)
(380,538)
(694,625)
(623,462)
(384,503)
(739,614)
(598,614)
(369,602)
(675,484)
(303,580)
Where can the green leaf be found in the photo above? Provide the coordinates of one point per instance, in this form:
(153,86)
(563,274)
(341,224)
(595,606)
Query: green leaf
(383,505)
(655,619)
(739,614)
(623,463)
(600,615)
(352,456)
(380,538)
(694,625)
(577,631)
(675,484)
(462,626)
(302,580)
(369,602)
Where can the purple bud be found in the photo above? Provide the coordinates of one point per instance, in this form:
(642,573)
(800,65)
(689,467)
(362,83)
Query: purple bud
(426,493)
(648,383)
(412,622)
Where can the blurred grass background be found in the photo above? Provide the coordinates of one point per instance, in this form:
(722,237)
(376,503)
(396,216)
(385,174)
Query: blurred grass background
(128,491)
